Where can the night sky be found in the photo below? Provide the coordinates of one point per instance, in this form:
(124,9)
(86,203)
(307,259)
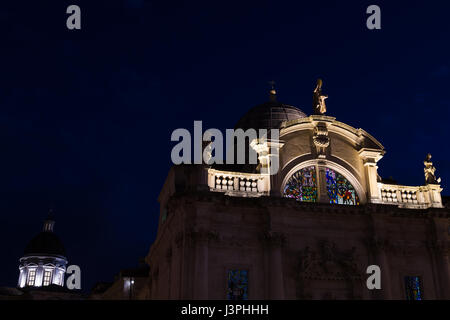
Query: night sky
(86,115)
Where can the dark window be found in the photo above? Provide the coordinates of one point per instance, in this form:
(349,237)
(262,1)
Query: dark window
(413,287)
(164,215)
(237,285)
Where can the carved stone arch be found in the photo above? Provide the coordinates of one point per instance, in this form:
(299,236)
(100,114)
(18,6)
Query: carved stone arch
(352,171)
(295,161)
(286,174)
(346,149)
(279,180)
(339,161)
(294,169)
(359,187)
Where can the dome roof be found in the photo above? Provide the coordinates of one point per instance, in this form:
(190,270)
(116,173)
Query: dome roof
(269,115)
(45,242)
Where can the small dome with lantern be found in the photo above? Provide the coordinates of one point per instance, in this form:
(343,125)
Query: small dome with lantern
(44,261)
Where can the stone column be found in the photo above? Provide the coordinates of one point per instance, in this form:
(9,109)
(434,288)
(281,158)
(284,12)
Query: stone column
(201,239)
(39,278)
(156,292)
(372,183)
(435,195)
(52,274)
(177,267)
(370,158)
(201,266)
(169,257)
(268,147)
(274,242)
(442,255)
(322,180)
(22,275)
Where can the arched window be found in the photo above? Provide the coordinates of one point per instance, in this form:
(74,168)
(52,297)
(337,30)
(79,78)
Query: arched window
(302,185)
(339,189)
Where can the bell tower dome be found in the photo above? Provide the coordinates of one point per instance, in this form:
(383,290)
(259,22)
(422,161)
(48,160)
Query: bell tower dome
(44,261)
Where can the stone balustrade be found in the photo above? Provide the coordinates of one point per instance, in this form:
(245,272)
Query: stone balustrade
(255,185)
(238,184)
(411,197)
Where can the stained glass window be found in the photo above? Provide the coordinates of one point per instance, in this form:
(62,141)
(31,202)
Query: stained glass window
(237,285)
(302,185)
(413,286)
(339,189)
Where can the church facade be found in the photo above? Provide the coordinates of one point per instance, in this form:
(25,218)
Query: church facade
(310,231)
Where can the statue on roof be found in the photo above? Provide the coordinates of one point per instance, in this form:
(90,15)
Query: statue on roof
(319,99)
(272,92)
(429,170)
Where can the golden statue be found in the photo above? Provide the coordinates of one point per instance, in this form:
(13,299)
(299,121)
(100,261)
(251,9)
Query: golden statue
(319,99)
(429,171)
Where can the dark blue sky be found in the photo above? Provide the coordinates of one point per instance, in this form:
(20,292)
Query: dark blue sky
(86,116)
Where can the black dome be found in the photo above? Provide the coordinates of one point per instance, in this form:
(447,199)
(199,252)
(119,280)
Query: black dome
(45,243)
(269,115)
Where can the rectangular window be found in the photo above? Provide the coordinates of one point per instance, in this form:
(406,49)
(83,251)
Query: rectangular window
(47,277)
(164,215)
(237,281)
(413,287)
(31,277)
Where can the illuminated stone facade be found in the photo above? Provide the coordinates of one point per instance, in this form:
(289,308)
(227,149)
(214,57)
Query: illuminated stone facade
(308,232)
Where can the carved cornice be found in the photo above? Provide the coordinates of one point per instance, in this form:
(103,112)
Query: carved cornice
(219,199)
